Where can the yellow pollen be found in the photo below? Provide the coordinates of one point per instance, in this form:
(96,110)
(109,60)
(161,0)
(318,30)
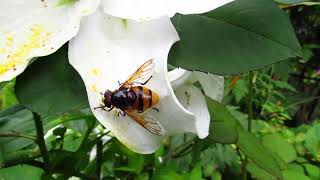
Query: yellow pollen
(85,11)
(19,56)
(94,88)
(9,41)
(95,71)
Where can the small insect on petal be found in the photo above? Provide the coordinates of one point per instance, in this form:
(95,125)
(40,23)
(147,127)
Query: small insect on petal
(133,98)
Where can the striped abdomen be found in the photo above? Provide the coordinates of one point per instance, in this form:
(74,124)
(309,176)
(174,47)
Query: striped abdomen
(145,98)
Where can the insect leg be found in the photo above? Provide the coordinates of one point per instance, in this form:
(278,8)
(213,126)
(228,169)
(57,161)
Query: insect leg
(110,109)
(156,109)
(144,83)
(122,113)
(100,107)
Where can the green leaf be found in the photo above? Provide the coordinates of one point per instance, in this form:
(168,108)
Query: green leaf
(21,172)
(258,154)
(294,175)
(246,141)
(136,162)
(223,125)
(298,2)
(240,90)
(259,173)
(7,97)
(216,176)
(280,146)
(296,167)
(167,172)
(19,120)
(51,85)
(221,156)
(143,176)
(290,1)
(312,141)
(240,36)
(312,171)
(196,173)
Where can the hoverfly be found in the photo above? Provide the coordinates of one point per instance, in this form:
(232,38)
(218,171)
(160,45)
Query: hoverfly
(132,98)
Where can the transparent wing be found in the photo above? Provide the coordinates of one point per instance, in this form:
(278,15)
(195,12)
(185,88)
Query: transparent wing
(146,122)
(141,75)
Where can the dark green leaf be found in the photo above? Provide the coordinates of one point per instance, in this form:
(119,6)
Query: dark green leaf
(51,85)
(312,171)
(264,159)
(294,175)
(223,125)
(240,36)
(259,173)
(18,120)
(21,172)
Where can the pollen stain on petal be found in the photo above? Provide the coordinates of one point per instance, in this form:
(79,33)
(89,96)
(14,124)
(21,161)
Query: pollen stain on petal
(9,41)
(94,88)
(95,72)
(85,11)
(36,39)
(125,22)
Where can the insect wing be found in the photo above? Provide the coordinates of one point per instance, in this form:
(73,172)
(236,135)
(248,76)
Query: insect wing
(148,123)
(141,75)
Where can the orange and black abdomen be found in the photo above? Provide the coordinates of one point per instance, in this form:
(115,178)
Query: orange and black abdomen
(145,98)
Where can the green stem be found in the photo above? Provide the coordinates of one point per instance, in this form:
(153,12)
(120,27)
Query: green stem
(40,140)
(250,100)
(18,134)
(245,163)
(99,158)
(87,134)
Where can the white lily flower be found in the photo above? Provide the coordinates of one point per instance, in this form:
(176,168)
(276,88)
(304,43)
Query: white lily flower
(36,28)
(141,10)
(106,50)
(191,96)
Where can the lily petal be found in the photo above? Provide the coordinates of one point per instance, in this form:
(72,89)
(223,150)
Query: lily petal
(36,28)
(108,50)
(194,101)
(150,9)
(213,85)
(178,77)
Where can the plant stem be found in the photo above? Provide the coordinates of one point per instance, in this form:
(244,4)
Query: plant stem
(87,134)
(40,140)
(245,163)
(250,101)
(99,158)
(18,134)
